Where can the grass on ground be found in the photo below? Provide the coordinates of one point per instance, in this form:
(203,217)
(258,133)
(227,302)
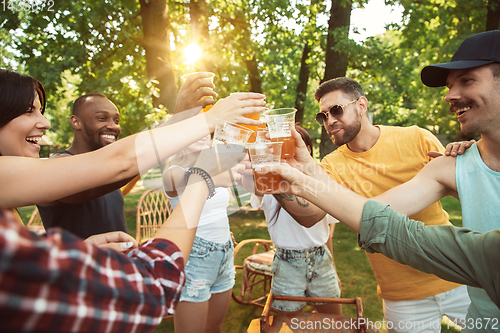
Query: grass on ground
(353,267)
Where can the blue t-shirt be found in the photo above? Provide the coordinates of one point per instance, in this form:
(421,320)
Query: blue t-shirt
(479,191)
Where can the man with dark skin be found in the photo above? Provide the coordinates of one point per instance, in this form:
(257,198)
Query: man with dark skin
(96,123)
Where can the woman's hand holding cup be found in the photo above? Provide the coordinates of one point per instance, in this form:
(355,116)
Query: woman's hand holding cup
(234,107)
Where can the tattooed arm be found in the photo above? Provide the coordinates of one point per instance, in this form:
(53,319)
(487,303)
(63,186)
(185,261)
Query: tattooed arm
(302,211)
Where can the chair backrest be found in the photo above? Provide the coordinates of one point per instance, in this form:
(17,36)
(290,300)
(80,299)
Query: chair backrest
(153,210)
(35,222)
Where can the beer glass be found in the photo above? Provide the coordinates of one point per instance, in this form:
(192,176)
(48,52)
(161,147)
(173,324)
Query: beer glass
(228,133)
(279,124)
(265,154)
(211,78)
(262,130)
(253,128)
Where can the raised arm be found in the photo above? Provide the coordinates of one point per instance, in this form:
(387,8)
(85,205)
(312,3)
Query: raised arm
(92,193)
(454,254)
(435,181)
(302,210)
(189,103)
(180,227)
(26,181)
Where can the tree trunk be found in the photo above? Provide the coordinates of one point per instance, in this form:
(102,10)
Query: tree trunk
(336,61)
(246,48)
(493,16)
(156,41)
(200,34)
(255,79)
(302,85)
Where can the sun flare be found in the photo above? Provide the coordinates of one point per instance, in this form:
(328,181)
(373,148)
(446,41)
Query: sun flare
(192,53)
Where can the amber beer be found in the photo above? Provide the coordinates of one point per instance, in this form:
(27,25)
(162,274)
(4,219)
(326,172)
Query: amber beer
(280,123)
(267,182)
(264,154)
(288,149)
(208,107)
(253,128)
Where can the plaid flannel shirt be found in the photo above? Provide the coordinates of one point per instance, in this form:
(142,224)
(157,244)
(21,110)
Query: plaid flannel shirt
(58,283)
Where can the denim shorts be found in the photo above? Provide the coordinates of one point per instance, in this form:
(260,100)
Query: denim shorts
(307,273)
(209,270)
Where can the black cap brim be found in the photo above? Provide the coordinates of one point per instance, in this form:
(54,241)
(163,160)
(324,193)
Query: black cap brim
(436,75)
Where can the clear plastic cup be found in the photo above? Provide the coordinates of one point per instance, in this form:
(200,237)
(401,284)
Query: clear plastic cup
(230,133)
(184,78)
(253,128)
(279,124)
(265,154)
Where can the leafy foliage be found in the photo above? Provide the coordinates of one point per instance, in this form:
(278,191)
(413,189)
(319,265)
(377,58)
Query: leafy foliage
(389,65)
(98,46)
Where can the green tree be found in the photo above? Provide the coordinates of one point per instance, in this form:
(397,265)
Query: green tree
(133,52)
(389,65)
(336,54)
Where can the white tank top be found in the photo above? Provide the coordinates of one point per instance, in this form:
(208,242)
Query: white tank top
(285,232)
(214,222)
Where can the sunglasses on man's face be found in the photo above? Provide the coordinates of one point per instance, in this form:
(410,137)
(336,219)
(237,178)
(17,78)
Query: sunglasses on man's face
(337,111)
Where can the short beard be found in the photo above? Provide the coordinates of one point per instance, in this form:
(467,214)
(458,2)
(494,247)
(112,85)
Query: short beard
(350,132)
(93,144)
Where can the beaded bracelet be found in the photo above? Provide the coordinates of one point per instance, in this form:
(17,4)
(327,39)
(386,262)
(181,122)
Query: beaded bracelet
(206,177)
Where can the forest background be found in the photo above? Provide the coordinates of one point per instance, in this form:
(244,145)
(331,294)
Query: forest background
(134,52)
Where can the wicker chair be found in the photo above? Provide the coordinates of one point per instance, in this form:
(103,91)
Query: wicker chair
(153,210)
(271,324)
(256,272)
(35,223)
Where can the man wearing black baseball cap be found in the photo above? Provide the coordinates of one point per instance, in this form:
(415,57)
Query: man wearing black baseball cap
(477,50)
(473,80)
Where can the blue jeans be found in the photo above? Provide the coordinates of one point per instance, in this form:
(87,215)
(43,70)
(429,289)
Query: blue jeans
(209,270)
(307,273)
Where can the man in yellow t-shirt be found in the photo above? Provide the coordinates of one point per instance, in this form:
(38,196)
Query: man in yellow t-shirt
(371,160)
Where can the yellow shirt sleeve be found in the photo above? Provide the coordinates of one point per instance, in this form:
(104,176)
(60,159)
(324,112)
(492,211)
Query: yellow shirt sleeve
(130,185)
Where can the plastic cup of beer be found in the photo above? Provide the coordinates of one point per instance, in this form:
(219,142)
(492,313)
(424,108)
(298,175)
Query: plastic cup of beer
(211,78)
(279,124)
(264,154)
(230,133)
(261,136)
(262,131)
(253,128)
